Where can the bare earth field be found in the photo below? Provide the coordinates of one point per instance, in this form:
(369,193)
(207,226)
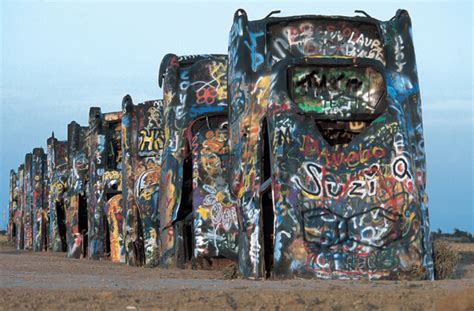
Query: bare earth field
(49,281)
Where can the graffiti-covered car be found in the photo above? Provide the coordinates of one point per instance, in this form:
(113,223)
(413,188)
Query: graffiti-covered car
(143,143)
(14,212)
(58,174)
(327,147)
(76,195)
(20,214)
(104,190)
(39,215)
(27,198)
(198,217)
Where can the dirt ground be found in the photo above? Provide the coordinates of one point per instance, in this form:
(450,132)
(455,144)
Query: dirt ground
(49,281)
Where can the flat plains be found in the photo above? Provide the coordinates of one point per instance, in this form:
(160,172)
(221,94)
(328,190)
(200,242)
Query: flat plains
(50,281)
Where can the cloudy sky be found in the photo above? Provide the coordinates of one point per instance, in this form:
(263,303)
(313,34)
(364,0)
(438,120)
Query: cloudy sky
(59,58)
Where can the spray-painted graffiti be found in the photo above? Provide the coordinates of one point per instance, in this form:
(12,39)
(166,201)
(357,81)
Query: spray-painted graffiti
(216,223)
(197,214)
(349,213)
(115,219)
(321,125)
(39,208)
(336,91)
(301,154)
(328,37)
(20,215)
(28,201)
(105,223)
(58,174)
(14,211)
(76,201)
(143,141)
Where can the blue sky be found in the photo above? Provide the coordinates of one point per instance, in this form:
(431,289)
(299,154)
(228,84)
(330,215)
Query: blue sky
(59,58)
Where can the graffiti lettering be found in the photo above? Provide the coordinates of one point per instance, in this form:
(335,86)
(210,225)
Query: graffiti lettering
(319,37)
(321,186)
(150,141)
(400,168)
(257,58)
(399,55)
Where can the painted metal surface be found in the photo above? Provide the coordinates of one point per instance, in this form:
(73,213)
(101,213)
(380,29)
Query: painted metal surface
(197,214)
(142,143)
(39,205)
(336,102)
(19,214)
(14,212)
(58,174)
(105,182)
(76,196)
(27,194)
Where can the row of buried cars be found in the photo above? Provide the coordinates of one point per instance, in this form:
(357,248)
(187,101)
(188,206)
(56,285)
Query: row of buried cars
(300,153)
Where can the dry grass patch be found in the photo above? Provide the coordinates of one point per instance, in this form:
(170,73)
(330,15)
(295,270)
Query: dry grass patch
(445,259)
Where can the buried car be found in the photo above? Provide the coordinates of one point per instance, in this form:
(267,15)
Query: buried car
(143,143)
(198,217)
(58,174)
(76,198)
(104,212)
(14,212)
(327,151)
(39,215)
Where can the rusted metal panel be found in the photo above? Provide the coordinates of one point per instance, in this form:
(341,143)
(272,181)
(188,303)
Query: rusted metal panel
(195,204)
(143,143)
(58,173)
(327,147)
(76,198)
(105,185)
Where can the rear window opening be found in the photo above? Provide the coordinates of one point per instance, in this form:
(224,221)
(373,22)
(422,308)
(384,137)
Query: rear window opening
(343,100)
